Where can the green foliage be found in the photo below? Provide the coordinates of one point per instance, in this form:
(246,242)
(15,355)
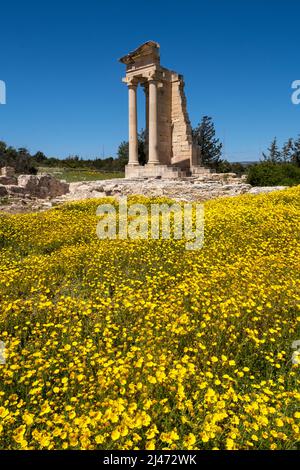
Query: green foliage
(274,155)
(295,157)
(123,150)
(24,162)
(72,175)
(39,157)
(278,167)
(287,150)
(290,152)
(210,148)
(20,159)
(268,173)
(231,167)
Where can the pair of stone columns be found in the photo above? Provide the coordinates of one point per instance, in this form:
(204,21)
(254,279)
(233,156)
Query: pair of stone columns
(133,130)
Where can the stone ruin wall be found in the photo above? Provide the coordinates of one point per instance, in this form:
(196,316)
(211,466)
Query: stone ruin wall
(40,186)
(175,131)
(182,146)
(164,121)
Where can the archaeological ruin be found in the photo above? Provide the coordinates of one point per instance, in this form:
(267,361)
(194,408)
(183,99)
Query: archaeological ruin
(39,186)
(170,149)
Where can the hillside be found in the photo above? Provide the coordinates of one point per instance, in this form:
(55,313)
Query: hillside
(120,344)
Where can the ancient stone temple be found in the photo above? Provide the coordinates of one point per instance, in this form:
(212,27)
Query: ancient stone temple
(170,150)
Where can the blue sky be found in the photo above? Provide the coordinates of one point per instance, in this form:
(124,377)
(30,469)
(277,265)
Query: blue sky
(63,79)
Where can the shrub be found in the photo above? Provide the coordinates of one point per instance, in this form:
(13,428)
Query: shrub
(273,174)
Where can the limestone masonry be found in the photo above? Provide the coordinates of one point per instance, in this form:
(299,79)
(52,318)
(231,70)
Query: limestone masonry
(27,193)
(171,152)
(182,189)
(39,186)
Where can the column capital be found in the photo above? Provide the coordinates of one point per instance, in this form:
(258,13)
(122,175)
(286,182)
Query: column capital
(132,85)
(156,80)
(153,76)
(152,79)
(131,82)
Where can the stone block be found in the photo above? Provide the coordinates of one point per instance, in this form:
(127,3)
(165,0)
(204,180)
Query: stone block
(7,171)
(43,186)
(8,180)
(153,171)
(15,190)
(3,191)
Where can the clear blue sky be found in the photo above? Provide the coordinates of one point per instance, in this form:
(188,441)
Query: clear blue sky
(64,89)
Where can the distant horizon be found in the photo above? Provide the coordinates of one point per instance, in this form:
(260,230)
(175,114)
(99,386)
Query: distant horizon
(64,87)
(103,157)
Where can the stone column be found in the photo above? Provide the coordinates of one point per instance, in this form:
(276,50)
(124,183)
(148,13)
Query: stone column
(153,137)
(133,137)
(146,90)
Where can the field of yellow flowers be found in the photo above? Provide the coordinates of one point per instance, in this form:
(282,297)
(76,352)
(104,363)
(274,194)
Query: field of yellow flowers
(120,344)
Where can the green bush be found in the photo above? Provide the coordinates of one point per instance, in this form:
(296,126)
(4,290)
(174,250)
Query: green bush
(273,174)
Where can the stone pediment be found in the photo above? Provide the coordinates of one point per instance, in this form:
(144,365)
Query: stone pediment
(146,54)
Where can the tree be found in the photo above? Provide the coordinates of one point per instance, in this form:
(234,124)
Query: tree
(274,155)
(123,150)
(295,157)
(142,151)
(287,150)
(3,147)
(39,157)
(210,148)
(20,159)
